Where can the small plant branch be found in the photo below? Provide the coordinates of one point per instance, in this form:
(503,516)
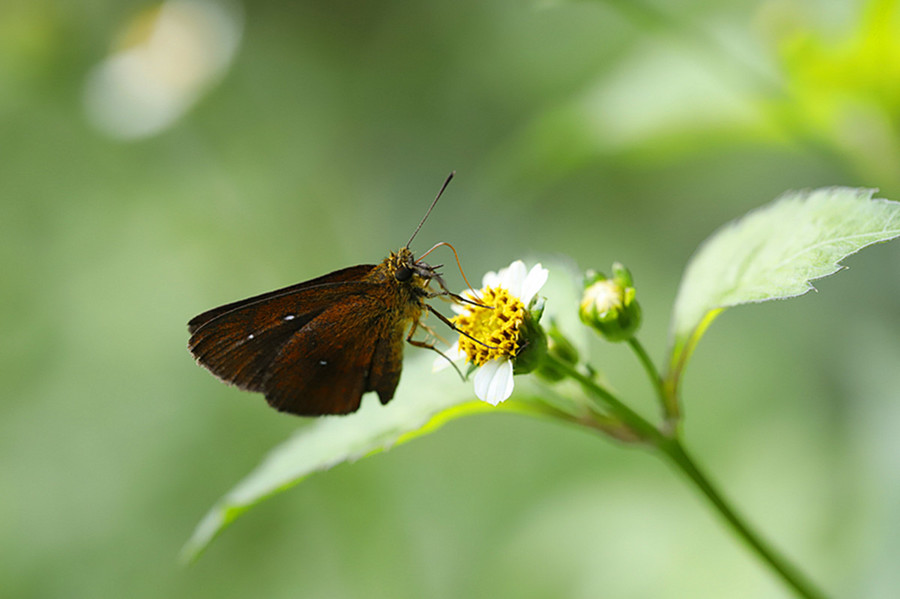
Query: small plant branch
(669,445)
(788,573)
(652,373)
(643,429)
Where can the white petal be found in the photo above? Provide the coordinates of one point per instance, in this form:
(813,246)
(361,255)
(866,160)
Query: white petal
(483,377)
(494,381)
(440,363)
(513,277)
(536,278)
(490,279)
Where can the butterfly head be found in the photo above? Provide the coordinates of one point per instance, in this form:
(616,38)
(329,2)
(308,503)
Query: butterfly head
(407,271)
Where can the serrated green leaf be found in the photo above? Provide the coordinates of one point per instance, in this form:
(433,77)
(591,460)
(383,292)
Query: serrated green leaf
(773,253)
(424,402)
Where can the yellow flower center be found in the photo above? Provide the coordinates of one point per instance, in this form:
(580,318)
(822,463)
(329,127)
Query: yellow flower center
(496,326)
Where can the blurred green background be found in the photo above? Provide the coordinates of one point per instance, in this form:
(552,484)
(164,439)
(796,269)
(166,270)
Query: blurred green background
(157,160)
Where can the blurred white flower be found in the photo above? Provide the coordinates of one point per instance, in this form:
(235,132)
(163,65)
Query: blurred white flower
(167,57)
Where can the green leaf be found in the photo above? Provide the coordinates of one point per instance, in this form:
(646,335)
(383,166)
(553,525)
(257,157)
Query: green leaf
(773,253)
(419,407)
(424,401)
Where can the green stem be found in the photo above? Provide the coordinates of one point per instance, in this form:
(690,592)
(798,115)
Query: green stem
(787,571)
(652,373)
(643,429)
(670,446)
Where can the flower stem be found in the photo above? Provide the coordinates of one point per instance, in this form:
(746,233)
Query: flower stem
(788,573)
(641,427)
(652,372)
(669,445)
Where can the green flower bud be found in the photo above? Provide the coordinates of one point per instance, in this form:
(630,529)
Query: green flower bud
(558,346)
(609,306)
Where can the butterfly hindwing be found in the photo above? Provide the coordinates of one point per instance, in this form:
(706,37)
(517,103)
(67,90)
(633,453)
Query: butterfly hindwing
(387,362)
(325,367)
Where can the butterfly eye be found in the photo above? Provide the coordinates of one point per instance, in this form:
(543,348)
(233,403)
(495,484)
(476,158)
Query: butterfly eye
(403,273)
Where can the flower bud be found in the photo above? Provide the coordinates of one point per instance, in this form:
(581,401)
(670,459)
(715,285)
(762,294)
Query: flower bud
(558,346)
(609,306)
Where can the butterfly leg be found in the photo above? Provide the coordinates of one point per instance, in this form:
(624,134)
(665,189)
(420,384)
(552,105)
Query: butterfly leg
(432,333)
(426,345)
(450,324)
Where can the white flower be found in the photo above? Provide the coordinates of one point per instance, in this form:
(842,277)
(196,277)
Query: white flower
(490,333)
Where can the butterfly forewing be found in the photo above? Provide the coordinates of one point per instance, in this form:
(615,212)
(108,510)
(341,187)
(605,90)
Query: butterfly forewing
(351,273)
(313,348)
(236,340)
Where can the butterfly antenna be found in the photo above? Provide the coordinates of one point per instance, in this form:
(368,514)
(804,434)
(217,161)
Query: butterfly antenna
(424,218)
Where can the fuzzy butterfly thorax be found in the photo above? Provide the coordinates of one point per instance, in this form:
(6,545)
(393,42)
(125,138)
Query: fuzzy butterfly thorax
(411,280)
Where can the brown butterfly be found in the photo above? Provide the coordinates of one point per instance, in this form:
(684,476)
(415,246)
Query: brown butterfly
(315,347)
